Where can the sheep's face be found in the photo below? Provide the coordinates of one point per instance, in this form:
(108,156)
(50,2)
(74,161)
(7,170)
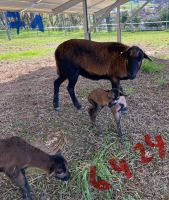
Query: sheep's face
(59,168)
(135,56)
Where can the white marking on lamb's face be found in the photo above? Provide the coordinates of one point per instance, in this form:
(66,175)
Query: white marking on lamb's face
(116,109)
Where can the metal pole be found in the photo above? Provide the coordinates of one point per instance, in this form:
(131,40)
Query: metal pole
(167,3)
(118,25)
(86,23)
(7,27)
(94,23)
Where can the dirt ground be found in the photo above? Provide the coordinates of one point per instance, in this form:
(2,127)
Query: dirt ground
(26,110)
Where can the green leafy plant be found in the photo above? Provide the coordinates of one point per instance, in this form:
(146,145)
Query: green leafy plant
(161,81)
(151,67)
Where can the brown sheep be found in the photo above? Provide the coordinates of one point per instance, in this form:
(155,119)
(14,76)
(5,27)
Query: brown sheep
(16,155)
(100,98)
(95,60)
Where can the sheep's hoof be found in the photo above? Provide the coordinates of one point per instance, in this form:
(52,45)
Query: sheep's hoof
(57,109)
(99,134)
(56,106)
(121,134)
(27,197)
(78,106)
(124,110)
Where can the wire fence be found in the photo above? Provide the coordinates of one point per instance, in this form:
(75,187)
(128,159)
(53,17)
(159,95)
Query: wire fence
(49,31)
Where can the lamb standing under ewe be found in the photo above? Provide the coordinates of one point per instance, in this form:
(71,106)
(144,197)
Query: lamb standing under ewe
(100,98)
(16,155)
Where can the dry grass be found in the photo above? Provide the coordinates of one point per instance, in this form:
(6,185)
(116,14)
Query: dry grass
(26,89)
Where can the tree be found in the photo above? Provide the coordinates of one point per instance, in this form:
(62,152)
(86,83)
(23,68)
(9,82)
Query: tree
(136,20)
(164,15)
(124,17)
(109,26)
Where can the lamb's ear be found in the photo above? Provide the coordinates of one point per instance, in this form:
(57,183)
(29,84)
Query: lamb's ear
(147,57)
(110,94)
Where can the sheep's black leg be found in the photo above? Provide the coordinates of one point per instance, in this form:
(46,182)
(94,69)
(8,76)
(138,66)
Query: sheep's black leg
(17,176)
(57,84)
(116,88)
(70,88)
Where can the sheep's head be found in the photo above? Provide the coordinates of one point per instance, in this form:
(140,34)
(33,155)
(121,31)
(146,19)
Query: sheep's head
(59,168)
(135,56)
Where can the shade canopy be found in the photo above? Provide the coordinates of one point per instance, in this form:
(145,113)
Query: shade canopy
(57,6)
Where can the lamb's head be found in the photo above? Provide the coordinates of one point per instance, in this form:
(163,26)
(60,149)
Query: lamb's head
(59,168)
(134,56)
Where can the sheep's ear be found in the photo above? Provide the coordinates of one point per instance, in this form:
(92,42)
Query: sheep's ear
(147,57)
(124,53)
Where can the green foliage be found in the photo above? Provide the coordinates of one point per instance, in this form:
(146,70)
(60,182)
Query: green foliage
(164,14)
(136,19)
(151,67)
(124,17)
(82,171)
(104,172)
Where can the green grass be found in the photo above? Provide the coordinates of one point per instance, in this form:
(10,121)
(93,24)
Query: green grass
(161,81)
(25,54)
(82,174)
(151,67)
(37,44)
(130,90)
(104,172)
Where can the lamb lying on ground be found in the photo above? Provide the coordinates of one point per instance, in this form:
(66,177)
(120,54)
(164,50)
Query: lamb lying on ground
(100,98)
(16,155)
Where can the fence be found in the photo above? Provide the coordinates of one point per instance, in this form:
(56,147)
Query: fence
(142,26)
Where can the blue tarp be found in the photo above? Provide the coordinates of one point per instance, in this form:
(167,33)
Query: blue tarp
(37,22)
(17,23)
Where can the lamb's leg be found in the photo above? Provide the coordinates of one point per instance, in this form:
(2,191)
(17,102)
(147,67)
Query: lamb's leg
(18,177)
(93,112)
(57,84)
(117,117)
(26,182)
(70,88)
